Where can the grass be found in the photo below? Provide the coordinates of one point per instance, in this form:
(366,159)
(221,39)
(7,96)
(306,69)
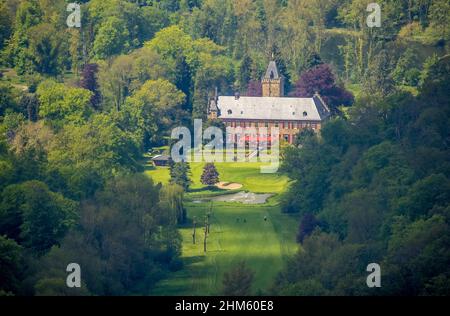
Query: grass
(263,245)
(246,173)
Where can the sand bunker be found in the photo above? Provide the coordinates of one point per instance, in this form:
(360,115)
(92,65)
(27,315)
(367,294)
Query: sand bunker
(229,185)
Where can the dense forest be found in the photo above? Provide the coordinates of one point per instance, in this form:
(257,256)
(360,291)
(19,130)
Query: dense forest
(375,188)
(80,106)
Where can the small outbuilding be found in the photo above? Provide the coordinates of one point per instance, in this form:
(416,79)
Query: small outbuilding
(161,160)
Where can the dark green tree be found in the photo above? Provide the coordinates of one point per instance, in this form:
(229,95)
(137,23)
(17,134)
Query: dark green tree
(210,175)
(11,266)
(180,174)
(238,281)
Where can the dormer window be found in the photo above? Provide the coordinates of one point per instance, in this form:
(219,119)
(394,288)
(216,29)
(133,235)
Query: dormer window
(229,112)
(293,113)
(305,113)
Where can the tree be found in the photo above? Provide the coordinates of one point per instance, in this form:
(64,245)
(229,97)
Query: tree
(254,88)
(281,65)
(7,98)
(28,15)
(245,71)
(321,79)
(303,136)
(307,225)
(89,82)
(87,155)
(404,64)
(46,48)
(171,197)
(238,281)
(157,104)
(412,264)
(378,78)
(11,266)
(115,79)
(29,105)
(179,174)
(125,241)
(439,25)
(210,175)
(5,24)
(60,104)
(112,38)
(45,216)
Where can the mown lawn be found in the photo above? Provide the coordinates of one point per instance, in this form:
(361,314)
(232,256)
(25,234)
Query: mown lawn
(246,173)
(263,245)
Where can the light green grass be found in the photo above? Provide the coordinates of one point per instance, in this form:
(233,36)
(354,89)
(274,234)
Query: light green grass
(246,173)
(263,245)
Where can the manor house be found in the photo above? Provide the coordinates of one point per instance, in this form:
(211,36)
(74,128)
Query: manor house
(273,109)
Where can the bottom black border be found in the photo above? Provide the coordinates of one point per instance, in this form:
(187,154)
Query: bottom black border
(168,305)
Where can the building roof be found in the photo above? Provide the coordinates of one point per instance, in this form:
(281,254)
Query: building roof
(273,108)
(161,158)
(213,105)
(272,71)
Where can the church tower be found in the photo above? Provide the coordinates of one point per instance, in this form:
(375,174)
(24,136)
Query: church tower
(272,82)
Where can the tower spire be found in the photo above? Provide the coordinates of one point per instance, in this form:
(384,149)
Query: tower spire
(272,81)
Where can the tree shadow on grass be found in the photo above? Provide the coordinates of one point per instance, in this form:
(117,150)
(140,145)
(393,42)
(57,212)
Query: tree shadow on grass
(192,260)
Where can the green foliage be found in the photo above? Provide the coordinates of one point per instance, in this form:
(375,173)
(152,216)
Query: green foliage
(171,197)
(210,175)
(382,196)
(7,98)
(86,155)
(153,108)
(125,240)
(43,216)
(61,105)
(402,73)
(47,49)
(111,38)
(238,281)
(376,182)
(11,265)
(179,174)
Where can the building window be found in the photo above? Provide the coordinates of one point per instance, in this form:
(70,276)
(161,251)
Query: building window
(276,124)
(229,112)
(305,113)
(266,124)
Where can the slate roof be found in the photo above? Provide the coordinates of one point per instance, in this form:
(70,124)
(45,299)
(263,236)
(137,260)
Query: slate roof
(161,158)
(273,108)
(272,71)
(213,105)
